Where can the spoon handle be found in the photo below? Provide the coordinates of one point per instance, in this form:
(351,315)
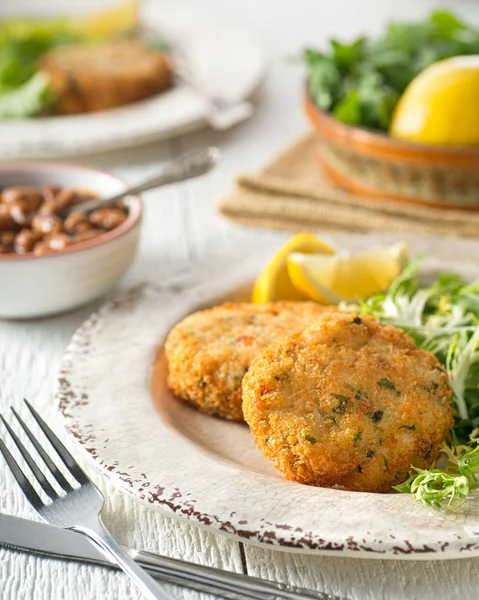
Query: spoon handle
(186,166)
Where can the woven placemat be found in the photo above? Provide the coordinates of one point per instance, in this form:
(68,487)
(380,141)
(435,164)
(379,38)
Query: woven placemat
(292,193)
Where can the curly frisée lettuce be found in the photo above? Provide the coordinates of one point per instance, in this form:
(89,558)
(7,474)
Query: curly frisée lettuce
(443,319)
(439,488)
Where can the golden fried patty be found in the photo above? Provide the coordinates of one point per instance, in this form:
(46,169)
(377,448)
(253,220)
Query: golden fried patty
(91,77)
(209,352)
(348,402)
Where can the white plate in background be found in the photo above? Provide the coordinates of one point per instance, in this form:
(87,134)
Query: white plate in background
(227,59)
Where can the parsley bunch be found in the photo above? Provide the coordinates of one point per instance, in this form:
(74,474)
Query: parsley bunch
(360,82)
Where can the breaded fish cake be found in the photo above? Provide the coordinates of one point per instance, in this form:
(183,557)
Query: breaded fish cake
(348,402)
(209,352)
(92,77)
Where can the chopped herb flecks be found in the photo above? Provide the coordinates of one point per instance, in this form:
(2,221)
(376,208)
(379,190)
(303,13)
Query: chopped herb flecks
(376,416)
(385,383)
(357,321)
(370,453)
(410,427)
(358,436)
(310,439)
(340,409)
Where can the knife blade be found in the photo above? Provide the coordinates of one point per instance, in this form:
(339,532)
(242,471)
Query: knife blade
(53,542)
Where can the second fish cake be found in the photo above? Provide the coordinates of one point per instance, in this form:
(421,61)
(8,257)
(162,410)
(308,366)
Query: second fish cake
(210,351)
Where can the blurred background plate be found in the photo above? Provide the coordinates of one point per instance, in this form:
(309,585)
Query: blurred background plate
(227,60)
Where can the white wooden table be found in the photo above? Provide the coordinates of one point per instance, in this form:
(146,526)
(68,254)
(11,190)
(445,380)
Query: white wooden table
(181,229)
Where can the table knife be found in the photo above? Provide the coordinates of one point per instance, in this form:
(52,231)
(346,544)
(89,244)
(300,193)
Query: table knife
(47,540)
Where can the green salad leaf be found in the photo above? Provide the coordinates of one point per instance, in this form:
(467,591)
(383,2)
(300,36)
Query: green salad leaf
(444,487)
(360,82)
(26,100)
(23,89)
(442,318)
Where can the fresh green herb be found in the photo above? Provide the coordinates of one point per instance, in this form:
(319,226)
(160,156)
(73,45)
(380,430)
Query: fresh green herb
(440,488)
(385,383)
(310,439)
(409,427)
(358,436)
(361,81)
(357,321)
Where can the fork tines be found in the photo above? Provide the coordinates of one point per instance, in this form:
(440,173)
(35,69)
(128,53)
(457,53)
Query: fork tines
(60,449)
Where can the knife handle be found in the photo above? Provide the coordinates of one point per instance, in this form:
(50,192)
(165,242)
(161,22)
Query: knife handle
(234,586)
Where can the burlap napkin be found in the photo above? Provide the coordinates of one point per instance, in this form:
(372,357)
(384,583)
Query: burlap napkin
(292,193)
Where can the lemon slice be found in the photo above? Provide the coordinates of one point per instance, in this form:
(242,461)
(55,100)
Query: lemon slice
(121,17)
(330,279)
(273,282)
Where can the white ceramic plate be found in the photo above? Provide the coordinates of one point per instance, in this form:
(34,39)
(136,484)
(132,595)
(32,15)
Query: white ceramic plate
(227,61)
(206,470)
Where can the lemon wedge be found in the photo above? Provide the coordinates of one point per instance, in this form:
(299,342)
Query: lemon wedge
(121,17)
(439,106)
(273,282)
(333,278)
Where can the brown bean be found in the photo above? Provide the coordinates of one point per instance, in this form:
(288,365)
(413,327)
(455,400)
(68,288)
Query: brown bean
(58,241)
(7,238)
(67,198)
(6,221)
(46,224)
(108,218)
(42,248)
(29,198)
(21,215)
(77,222)
(25,241)
(84,236)
(49,207)
(49,192)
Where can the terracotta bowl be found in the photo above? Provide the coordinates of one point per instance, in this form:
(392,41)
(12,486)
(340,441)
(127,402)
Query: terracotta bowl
(375,164)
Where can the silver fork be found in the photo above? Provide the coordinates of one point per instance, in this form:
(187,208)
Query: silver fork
(79,508)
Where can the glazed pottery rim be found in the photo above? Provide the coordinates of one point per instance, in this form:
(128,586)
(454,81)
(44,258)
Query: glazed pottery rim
(379,139)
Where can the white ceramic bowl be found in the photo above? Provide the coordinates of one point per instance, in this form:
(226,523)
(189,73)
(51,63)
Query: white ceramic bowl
(36,286)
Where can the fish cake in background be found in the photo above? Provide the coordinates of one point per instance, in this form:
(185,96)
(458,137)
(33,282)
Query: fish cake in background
(348,402)
(209,352)
(86,78)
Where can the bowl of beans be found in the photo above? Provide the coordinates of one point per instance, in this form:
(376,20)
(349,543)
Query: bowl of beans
(53,258)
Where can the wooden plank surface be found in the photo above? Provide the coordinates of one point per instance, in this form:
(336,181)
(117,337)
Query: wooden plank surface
(181,229)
